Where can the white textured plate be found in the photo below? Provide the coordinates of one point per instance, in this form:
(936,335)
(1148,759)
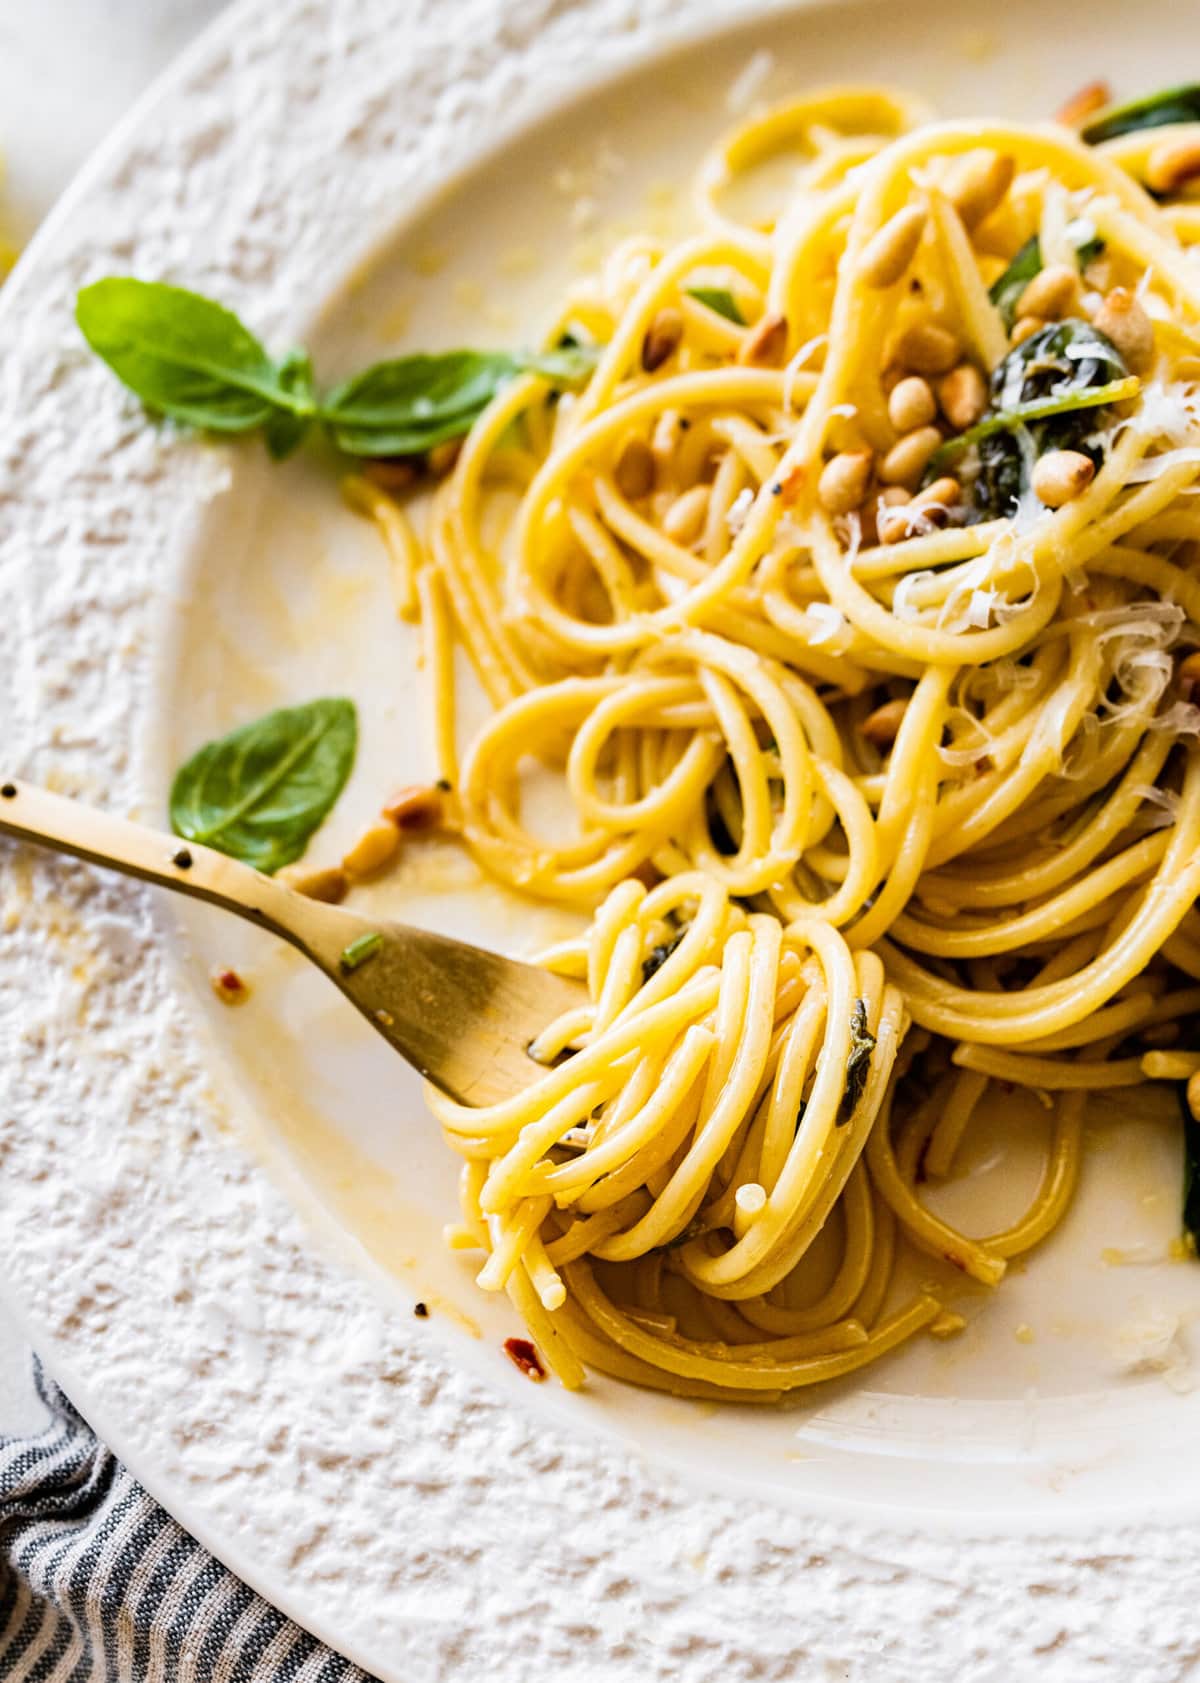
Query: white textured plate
(243,1334)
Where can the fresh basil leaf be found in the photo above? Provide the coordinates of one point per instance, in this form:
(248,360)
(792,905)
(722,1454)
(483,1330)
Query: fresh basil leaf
(183,355)
(858,1061)
(1191,1165)
(1154,111)
(406,406)
(1006,291)
(720,300)
(260,792)
(285,430)
(659,955)
(1044,395)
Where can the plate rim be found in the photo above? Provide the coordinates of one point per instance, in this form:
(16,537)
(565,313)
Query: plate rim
(706,19)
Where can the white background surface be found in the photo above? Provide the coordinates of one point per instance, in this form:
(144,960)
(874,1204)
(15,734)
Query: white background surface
(69,69)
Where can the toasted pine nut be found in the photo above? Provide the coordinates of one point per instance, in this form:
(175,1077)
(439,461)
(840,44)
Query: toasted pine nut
(372,850)
(661,339)
(1089,99)
(765,343)
(927,348)
(1051,294)
(1125,322)
(443,458)
(634,472)
(1193,1095)
(329,885)
(228,986)
(1188,674)
(911,404)
(1172,164)
(937,499)
(882,726)
(1024,328)
(890,525)
(894,525)
(1060,475)
(963,396)
(844,478)
(981,185)
(906,461)
(685,517)
(391,473)
(892,248)
(416,807)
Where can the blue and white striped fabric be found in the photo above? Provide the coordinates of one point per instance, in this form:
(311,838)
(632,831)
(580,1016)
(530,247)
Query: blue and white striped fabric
(98,1584)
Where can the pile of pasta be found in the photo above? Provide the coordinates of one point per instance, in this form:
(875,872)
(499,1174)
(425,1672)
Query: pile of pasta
(866,683)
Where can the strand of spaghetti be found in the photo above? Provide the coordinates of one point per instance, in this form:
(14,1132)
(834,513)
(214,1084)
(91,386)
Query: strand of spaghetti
(404,555)
(968,1087)
(1057,1187)
(1053,1074)
(847,1285)
(439,655)
(754,979)
(927,1231)
(750,1374)
(1052,915)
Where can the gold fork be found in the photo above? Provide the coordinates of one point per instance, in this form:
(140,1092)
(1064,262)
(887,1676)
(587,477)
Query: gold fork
(462,1016)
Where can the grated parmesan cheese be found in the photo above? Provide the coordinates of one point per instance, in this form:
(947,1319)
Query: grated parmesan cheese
(826,621)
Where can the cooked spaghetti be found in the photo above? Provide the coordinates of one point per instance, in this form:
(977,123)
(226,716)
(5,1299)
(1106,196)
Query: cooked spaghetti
(849,605)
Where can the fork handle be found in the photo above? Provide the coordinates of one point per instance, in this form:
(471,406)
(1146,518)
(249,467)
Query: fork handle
(35,815)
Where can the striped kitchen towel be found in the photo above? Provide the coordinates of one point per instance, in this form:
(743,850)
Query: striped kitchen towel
(98,1584)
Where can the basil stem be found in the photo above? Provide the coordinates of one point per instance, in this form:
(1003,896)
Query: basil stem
(360,950)
(1038,408)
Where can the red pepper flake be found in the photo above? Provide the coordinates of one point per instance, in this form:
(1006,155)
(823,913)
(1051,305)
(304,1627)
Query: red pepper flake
(229,987)
(789,486)
(524,1355)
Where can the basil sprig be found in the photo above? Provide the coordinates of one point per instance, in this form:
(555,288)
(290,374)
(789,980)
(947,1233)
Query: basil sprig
(193,360)
(260,792)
